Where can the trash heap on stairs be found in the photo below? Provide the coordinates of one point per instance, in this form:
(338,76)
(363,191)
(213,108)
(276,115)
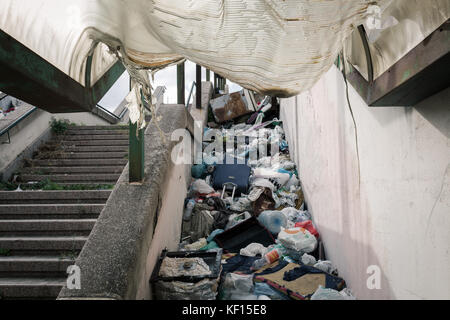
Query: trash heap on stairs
(247,233)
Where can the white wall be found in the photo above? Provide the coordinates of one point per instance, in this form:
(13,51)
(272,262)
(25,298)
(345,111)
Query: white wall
(398,216)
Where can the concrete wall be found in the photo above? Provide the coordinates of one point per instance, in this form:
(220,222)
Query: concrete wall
(168,229)
(390,207)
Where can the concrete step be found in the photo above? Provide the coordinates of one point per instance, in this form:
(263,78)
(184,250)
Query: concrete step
(79,132)
(72,170)
(78,162)
(95,149)
(26,288)
(42,245)
(124,127)
(84,155)
(46,227)
(94,137)
(71,178)
(86,143)
(35,266)
(54,197)
(49,211)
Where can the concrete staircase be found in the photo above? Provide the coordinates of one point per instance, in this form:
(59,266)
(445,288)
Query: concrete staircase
(42,232)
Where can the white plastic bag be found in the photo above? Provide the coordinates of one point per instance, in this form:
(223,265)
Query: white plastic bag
(253,249)
(327,294)
(326,266)
(308,260)
(280,179)
(295,215)
(238,287)
(297,239)
(274,221)
(200,186)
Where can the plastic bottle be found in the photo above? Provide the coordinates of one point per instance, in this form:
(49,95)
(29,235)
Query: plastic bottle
(273,220)
(274,255)
(188,210)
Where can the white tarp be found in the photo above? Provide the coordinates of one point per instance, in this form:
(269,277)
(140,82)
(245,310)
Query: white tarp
(273,46)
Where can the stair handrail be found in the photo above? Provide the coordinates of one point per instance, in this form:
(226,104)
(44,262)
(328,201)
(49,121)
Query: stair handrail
(194,84)
(117,117)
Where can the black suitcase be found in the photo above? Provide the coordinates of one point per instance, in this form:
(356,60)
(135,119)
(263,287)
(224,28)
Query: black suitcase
(232,177)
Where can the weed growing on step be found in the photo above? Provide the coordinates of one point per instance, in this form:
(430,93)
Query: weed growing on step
(69,255)
(59,126)
(48,185)
(5,252)
(8,186)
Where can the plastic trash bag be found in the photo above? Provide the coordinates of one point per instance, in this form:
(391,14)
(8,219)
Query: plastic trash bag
(214,234)
(308,260)
(326,266)
(238,287)
(295,215)
(196,245)
(263,289)
(287,198)
(273,221)
(211,246)
(347,294)
(253,249)
(277,178)
(177,290)
(293,182)
(235,219)
(327,294)
(298,239)
(188,210)
(201,187)
(308,225)
(242,204)
(263,183)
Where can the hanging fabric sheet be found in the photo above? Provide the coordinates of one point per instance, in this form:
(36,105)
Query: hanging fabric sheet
(271,46)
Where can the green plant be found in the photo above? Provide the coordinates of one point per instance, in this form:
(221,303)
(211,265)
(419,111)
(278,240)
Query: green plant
(8,186)
(59,126)
(48,185)
(69,255)
(4,252)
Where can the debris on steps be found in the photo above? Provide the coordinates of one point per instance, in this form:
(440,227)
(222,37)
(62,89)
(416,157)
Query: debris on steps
(246,206)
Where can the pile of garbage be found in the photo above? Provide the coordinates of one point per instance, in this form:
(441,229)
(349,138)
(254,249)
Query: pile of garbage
(251,211)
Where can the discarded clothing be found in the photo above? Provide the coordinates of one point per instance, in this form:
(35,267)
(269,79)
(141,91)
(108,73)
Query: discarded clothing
(262,200)
(298,282)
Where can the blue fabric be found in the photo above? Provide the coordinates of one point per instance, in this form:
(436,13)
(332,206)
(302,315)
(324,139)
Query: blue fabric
(214,234)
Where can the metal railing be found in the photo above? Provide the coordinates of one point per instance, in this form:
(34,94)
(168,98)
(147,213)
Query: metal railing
(14,123)
(117,117)
(194,84)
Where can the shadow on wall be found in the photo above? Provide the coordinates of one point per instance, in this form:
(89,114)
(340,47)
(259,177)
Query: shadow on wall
(369,280)
(436,110)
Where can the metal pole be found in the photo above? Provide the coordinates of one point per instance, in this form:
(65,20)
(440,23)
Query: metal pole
(136,152)
(198,101)
(181,84)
